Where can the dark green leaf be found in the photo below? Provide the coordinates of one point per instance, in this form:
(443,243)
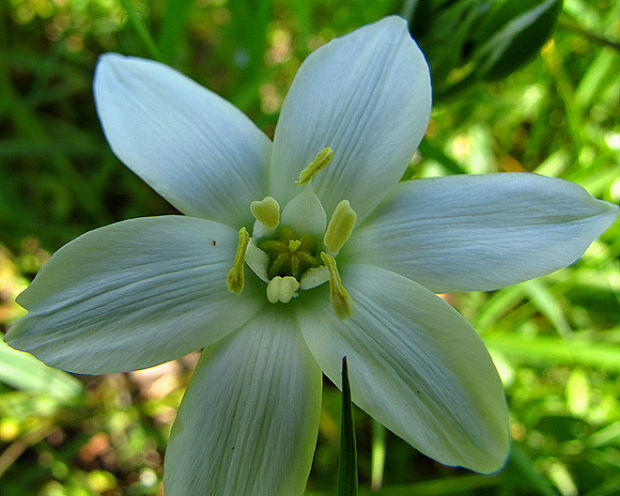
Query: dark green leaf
(512,34)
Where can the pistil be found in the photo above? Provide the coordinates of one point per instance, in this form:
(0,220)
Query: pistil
(289,256)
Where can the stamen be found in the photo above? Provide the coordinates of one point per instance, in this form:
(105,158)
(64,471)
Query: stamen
(282,289)
(340,298)
(322,159)
(340,227)
(266,211)
(235,279)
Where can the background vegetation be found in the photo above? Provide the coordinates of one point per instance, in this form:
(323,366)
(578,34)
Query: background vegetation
(555,340)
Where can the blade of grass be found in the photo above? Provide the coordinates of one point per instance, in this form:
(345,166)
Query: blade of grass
(377,455)
(544,300)
(601,73)
(173,33)
(428,149)
(468,484)
(29,126)
(303,12)
(250,30)
(499,304)
(142,31)
(23,371)
(602,356)
(520,461)
(5,80)
(347,469)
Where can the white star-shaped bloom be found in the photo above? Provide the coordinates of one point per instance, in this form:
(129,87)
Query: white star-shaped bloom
(295,253)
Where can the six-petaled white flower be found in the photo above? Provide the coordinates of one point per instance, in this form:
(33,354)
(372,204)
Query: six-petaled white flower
(294,254)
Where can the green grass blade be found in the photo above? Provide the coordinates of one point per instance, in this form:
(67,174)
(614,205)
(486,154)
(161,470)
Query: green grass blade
(377,455)
(347,469)
(468,484)
(543,299)
(600,356)
(23,371)
(172,38)
(522,463)
(430,150)
(142,31)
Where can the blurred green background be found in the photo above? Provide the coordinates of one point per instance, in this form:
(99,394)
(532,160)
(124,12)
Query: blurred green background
(555,340)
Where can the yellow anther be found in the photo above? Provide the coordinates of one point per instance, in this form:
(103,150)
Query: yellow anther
(340,298)
(322,159)
(293,245)
(266,211)
(340,227)
(235,280)
(282,289)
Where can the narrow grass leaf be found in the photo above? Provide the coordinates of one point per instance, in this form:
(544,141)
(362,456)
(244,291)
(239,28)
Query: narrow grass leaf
(23,371)
(544,300)
(173,32)
(142,31)
(377,455)
(430,150)
(601,356)
(520,461)
(468,484)
(347,469)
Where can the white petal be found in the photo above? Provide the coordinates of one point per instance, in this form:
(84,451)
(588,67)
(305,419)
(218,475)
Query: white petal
(249,420)
(367,96)
(415,365)
(132,295)
(484,232)
(194,148)
(305,214)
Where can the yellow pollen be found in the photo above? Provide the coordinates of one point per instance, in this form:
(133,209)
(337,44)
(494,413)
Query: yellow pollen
(322,159)
(339,296)
(340,227)
(266,211)
(235,279)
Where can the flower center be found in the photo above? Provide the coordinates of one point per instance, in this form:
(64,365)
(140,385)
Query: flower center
(286,250)
(290,255)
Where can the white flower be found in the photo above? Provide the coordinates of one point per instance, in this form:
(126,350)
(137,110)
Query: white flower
(144,291)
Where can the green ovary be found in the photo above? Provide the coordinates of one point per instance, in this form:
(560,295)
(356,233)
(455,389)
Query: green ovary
(290,255)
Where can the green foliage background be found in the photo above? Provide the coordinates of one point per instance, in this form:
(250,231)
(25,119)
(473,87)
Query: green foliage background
(555,340)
